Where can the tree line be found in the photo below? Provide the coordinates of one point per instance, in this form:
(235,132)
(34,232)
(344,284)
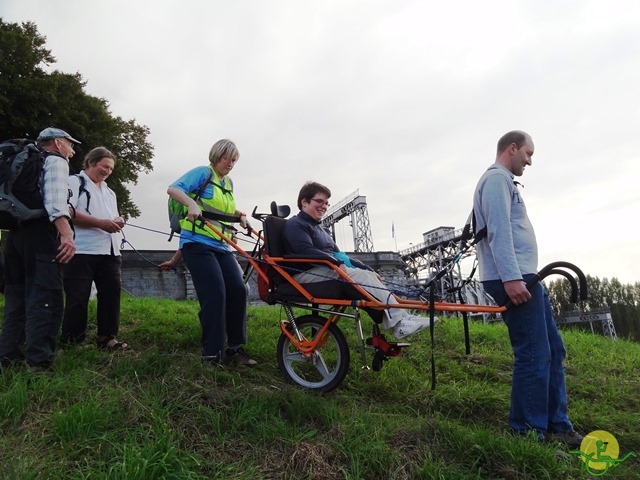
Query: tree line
(33,96)
(623,300)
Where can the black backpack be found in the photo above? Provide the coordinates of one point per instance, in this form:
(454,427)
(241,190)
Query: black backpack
(21,163)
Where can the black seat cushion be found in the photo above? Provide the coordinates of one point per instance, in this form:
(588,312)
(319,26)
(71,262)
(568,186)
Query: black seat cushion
(283,290)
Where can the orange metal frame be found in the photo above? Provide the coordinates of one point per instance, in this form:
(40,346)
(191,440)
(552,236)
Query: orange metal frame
(368,300)
(337,307)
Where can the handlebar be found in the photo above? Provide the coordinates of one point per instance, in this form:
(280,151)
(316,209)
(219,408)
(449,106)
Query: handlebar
(578,288)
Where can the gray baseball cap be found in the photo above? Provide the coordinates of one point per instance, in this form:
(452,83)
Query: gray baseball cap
(53,132)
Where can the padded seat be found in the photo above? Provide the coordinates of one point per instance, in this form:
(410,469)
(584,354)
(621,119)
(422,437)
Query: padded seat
(274,246)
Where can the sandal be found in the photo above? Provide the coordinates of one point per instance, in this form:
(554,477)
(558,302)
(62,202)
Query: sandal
(111,344)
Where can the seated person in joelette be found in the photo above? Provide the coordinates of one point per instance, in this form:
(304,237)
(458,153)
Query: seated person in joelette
(304,235)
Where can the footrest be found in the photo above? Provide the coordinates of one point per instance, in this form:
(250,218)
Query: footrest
(380,342)
(384,349)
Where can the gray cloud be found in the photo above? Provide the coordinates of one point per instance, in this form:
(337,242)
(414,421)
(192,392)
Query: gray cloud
(403,100)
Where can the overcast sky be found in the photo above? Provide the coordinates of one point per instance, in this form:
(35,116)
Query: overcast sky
(403,100)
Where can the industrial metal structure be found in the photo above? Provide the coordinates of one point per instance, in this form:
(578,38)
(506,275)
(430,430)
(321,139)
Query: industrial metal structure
(599,316)
(423,261)
(440,249)
(353,206)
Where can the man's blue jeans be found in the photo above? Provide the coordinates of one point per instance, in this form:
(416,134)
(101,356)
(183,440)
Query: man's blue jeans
(538,390)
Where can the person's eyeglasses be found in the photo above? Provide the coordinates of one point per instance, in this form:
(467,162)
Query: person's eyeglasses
(319,201)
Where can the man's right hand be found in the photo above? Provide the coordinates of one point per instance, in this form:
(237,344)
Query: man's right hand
(517,291)
(66,249)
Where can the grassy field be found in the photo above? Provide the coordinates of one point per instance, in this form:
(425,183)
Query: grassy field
(157,413)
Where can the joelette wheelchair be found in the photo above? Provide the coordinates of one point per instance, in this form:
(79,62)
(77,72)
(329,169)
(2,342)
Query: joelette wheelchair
(312,350)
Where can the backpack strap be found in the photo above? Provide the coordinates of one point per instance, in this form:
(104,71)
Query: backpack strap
(470,232)
(477,234)
(200,192)
(217,216)
(81,189)
(223,189)
(204,185)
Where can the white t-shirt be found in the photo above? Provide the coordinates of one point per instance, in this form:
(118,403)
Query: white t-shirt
(101,203)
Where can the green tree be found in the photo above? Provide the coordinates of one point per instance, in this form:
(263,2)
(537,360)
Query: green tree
(622,300)
(32,98)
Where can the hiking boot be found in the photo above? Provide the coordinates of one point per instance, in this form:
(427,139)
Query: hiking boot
(239,357)
(410,325)
(572,438)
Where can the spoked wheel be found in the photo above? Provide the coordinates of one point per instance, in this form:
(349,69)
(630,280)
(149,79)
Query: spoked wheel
(321,370)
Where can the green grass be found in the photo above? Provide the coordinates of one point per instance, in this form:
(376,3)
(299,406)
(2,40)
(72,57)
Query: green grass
(157,413)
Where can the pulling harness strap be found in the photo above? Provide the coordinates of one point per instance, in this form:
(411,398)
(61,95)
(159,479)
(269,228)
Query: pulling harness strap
(218,218)
(432,301)
(465,324)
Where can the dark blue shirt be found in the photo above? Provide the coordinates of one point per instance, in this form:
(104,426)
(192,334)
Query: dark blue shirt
(302,235)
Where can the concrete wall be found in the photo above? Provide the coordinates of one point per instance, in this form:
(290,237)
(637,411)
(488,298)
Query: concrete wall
(141,276)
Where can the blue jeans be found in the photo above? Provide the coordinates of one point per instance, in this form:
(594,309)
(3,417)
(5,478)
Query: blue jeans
(217,278)
(538,390)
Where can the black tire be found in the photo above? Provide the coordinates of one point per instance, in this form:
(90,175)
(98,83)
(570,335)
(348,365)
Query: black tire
(328,365)
(378,358)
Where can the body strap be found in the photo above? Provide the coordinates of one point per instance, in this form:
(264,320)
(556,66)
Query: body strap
(83,189)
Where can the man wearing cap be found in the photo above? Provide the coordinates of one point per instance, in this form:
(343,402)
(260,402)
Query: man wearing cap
(34,255)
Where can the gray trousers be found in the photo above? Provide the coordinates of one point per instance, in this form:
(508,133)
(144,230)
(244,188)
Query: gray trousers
(33,295)
(368,280)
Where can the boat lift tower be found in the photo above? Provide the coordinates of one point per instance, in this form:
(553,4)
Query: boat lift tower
(353,206)
(438,249)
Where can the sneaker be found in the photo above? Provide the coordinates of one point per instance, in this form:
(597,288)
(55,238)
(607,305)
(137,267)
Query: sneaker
(239,357)
(212,360)
(6,362)
(410,325)
(40,368)
(572,438)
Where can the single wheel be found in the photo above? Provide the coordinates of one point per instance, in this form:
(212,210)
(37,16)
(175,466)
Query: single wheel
(322,370)
(378,358)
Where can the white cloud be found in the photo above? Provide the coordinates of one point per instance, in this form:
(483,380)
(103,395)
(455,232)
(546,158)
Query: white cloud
(403,100)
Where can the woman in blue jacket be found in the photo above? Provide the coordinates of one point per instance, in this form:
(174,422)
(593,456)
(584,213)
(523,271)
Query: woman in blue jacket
(216,274)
